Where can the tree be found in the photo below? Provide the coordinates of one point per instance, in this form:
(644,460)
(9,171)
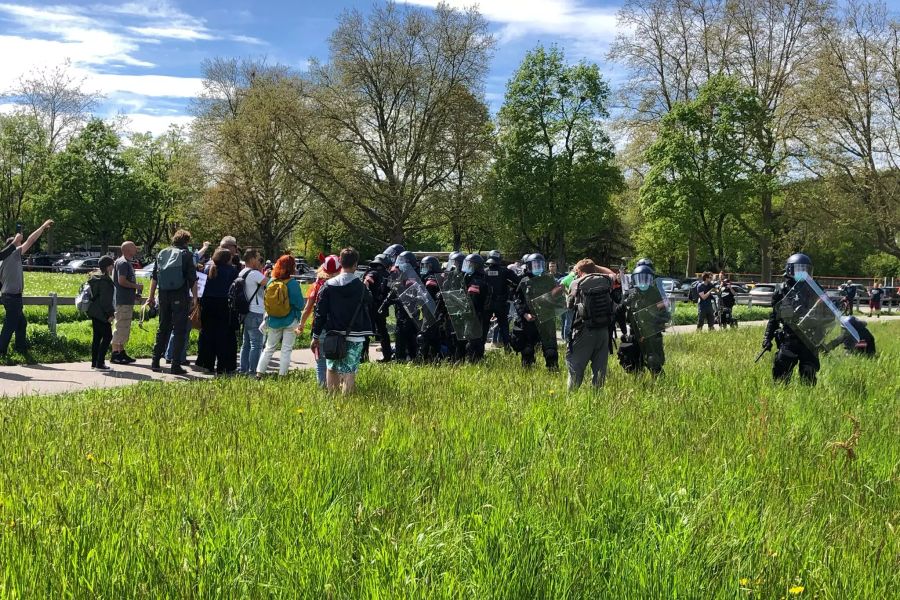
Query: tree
(554,171)
(852,135)
(702,164)
(373,123)
(240,124)
(23,161)
(92,191)
(58,100)
(168,167)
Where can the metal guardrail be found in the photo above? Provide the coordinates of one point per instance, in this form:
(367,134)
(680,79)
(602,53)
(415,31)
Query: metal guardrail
(53,302)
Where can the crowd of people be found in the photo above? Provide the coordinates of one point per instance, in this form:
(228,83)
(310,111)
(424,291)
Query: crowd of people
(247,310)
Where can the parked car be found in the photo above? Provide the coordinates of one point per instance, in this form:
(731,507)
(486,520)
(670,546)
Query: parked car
(761,294)
(82,265)
(41,262)
(146,271)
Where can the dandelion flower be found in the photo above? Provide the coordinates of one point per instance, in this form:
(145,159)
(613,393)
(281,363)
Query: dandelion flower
(744,581)
(796,590)
(90,457)
(299,410)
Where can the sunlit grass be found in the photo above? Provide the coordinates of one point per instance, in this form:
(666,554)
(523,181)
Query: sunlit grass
(484,481)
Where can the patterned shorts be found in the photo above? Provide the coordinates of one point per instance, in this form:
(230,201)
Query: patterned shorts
(350,363)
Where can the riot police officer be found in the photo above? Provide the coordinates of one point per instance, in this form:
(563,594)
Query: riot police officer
(479,292)
(433,338)
(393,251)
(376,281)
(792,351)
(527,331)
(642,317)
(455,261)
(406,333)
(503,283)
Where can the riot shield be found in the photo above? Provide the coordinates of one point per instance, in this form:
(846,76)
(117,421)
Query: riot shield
(651,310)
(808,312)
(547,300)
(414,297)
(465,322)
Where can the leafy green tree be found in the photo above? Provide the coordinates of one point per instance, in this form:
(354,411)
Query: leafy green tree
(168,167)
(702,167)
(23,161)
(554,171)
(94,196)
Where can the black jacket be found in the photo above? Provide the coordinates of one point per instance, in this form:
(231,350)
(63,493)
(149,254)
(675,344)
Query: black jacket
(338,300)
(102,290)
(502,282)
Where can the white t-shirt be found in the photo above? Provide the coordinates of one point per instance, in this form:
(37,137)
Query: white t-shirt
(252,282)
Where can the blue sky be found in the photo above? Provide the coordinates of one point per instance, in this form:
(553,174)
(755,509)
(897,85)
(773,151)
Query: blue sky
(145,56)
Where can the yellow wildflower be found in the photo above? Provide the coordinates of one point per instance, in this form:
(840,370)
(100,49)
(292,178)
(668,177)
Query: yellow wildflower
(796,590)
(744,581)
(90,457)
(299,410)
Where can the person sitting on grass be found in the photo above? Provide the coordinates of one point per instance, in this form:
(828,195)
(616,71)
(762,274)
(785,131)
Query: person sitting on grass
(102,312)
(343,305)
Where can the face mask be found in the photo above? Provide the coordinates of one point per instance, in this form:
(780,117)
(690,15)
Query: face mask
(468,269)
(537,272)
(423,271)
(643,286)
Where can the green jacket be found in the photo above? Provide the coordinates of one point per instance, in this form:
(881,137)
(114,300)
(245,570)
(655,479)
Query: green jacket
(102,291)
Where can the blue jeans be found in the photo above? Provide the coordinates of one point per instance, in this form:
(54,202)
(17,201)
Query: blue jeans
(567,318)
(187,342)
(252,345)
(13,323)
(321,368)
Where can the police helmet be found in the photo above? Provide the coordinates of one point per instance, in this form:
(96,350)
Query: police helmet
(393,251)
(645,262)
(797,264)
(429,265)
(455,261)
(473,264)
(642,277)
(535,264)
(381,259)
(406,258)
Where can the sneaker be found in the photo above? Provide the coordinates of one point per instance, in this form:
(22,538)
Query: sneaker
(177,370)
(154,366)
(127,360)
(117,358)
(101,367)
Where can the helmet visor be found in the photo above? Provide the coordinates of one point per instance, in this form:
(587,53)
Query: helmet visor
(423,269)
(468,267)
(537,266)
(802,271)
(642,280)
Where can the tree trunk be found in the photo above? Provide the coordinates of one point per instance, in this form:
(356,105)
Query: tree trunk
(765,237)
(691,266)
(457,236)
(560,252)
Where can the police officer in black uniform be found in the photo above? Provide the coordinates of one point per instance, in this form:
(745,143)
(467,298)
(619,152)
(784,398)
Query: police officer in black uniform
(526,335)
(406,332)
(433,338)
(479,291)
(455,261)
(502,282)
(791,349)
(376,281)
(393,251)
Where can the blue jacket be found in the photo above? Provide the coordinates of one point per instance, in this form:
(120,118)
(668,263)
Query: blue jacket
(295,297)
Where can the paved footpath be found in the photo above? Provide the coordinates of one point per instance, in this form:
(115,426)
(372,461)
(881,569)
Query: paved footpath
(70,377)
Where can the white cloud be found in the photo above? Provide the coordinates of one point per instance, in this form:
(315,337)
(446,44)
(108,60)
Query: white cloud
(155,124)
(563,18)
(155,86)
(175,33)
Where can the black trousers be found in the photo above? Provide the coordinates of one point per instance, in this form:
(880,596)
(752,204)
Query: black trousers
(406,336)
(379,322)
(174,310)
(790,354)
(100,343)
(14,322)
(217,344)
(706,315)
(502,331)
(531,337)
(475,348)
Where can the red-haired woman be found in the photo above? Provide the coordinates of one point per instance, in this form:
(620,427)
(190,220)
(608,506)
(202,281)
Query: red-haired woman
(283,301)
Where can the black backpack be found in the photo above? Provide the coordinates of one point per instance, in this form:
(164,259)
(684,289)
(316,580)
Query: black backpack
(694,292)
(238,303)
(594,306)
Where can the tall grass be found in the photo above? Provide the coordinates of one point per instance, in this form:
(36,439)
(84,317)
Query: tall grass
(482,481)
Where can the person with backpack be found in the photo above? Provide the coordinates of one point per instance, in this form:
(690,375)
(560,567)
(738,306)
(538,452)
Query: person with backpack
(706,312)
(592,300)
(330,267)
(247,304)
(174,276)
(283,301)
(342,324)
(217,344)
(101,309)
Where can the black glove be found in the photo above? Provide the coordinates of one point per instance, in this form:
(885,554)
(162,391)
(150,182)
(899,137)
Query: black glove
(767,344)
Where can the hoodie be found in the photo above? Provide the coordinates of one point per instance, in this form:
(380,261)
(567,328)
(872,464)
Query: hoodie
(338,301)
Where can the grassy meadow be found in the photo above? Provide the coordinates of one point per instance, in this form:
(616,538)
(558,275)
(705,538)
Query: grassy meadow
(479,481)
(74,330)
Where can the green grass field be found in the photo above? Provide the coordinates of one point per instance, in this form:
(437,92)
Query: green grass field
(484,482)
(74,331)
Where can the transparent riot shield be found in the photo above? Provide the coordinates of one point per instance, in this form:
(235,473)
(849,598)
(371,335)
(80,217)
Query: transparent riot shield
(547,300)
(414,297)
(465,322)
(651,310)
(807,311)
